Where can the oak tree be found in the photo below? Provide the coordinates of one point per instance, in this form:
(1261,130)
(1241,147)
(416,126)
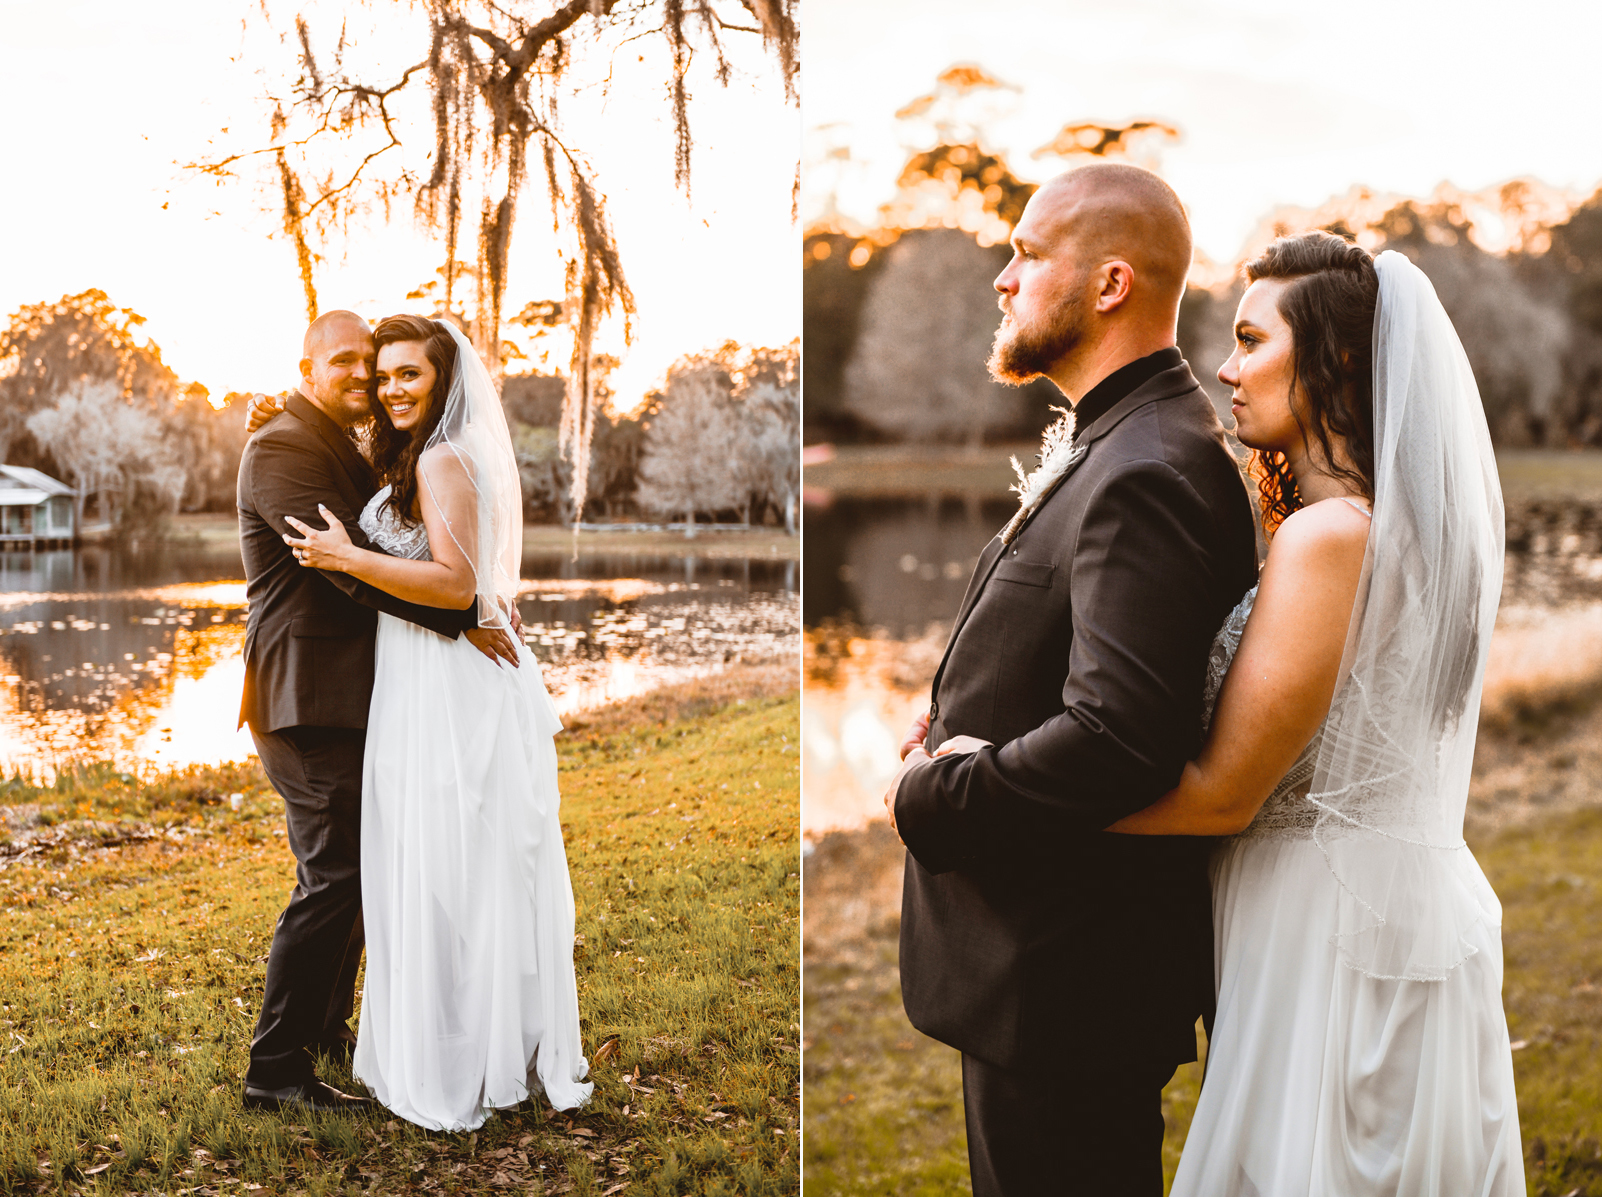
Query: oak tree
(493,72)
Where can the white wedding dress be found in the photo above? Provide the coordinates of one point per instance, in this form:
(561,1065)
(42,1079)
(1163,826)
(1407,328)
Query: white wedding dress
(470,1001)
(1323,1081)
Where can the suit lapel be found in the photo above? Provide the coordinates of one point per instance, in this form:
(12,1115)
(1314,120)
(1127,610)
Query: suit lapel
(988,560)
(361,474)
(981,574)
(1067,473)
(976,584)
(1167,385)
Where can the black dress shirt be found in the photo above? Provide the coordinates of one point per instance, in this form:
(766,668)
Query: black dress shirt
(1122,381)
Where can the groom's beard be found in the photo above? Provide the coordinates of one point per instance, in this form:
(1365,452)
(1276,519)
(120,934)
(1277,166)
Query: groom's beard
(1022,353)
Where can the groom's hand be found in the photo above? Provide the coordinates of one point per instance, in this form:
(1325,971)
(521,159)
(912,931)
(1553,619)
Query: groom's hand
(958,745)
(914,754)
(513,615)
(917,733)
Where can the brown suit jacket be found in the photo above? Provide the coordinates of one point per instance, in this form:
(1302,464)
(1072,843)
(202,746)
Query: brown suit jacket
(1027,933)
(309,635)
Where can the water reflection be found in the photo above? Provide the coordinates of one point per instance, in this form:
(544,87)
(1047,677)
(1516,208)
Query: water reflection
(137,657)
(897,568)
(895,564)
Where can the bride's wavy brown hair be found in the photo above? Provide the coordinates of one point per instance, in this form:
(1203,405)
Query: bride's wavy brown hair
(1329,306)
(395,453)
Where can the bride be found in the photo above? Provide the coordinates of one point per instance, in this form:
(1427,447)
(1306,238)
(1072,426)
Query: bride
(1360,1047)
(470,1002)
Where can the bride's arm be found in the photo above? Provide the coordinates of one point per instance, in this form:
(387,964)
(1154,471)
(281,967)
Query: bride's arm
(1281,682)
(450,514)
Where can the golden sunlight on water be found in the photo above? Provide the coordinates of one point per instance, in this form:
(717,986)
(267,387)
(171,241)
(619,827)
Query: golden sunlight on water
(146,676)
(196,723)
(150,678)
(861,693)
(858,697)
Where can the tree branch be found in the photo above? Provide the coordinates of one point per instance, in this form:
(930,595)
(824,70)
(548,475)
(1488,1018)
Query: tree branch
(537,35)
(359,90)
(354,178)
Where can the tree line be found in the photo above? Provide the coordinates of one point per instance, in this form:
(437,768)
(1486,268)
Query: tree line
(720,438)
(87,399)
(898,320)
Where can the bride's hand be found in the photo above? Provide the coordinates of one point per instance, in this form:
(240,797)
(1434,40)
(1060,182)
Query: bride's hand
(328,548)
(961,744)
(261,408)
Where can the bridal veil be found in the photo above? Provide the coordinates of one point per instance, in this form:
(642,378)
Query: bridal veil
(1391,777)
(472,437)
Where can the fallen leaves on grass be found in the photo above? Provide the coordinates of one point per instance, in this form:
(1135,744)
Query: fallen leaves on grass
(129,976)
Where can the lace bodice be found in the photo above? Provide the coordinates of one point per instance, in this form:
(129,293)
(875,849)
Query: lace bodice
(385,530)
(1287,811)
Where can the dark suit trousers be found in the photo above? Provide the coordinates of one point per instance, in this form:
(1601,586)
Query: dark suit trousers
(317,944)
(1052,1132)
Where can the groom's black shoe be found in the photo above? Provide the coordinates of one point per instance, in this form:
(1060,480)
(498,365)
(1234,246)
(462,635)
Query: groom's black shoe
(313,1095)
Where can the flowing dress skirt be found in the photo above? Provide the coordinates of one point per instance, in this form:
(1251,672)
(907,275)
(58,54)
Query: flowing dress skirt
(470,1001)
(1323,1082)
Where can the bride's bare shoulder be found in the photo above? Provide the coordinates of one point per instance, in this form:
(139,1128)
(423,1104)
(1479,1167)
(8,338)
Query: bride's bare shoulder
(443,462)
(1324,538)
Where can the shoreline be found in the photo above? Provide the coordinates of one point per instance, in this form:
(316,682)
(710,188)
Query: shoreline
(214,531)
(732,685)
(908,470)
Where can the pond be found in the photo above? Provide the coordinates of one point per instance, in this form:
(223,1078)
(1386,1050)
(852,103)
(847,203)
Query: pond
(895,565)
(885,574)
(135,656)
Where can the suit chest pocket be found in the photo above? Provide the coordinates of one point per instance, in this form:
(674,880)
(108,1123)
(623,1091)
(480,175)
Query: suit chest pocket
(1024,573)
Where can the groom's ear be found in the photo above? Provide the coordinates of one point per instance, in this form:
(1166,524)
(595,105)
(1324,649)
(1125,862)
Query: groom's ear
(306,368)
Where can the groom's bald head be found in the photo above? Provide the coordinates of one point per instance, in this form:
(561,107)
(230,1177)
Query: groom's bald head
(1115,211)
(1099,263)
(336,366)
(330,327)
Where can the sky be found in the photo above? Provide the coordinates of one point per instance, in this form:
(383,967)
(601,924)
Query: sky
(108,100)
(1279,102)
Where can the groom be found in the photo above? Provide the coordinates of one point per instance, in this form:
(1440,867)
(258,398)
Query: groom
(308,682)
(1069,965)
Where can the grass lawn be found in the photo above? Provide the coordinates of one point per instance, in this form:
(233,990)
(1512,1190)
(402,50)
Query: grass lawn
(1549,877)
(884,1103)
(1550,473)
(880,471)
(135,924)
(708,542)
(867,471)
